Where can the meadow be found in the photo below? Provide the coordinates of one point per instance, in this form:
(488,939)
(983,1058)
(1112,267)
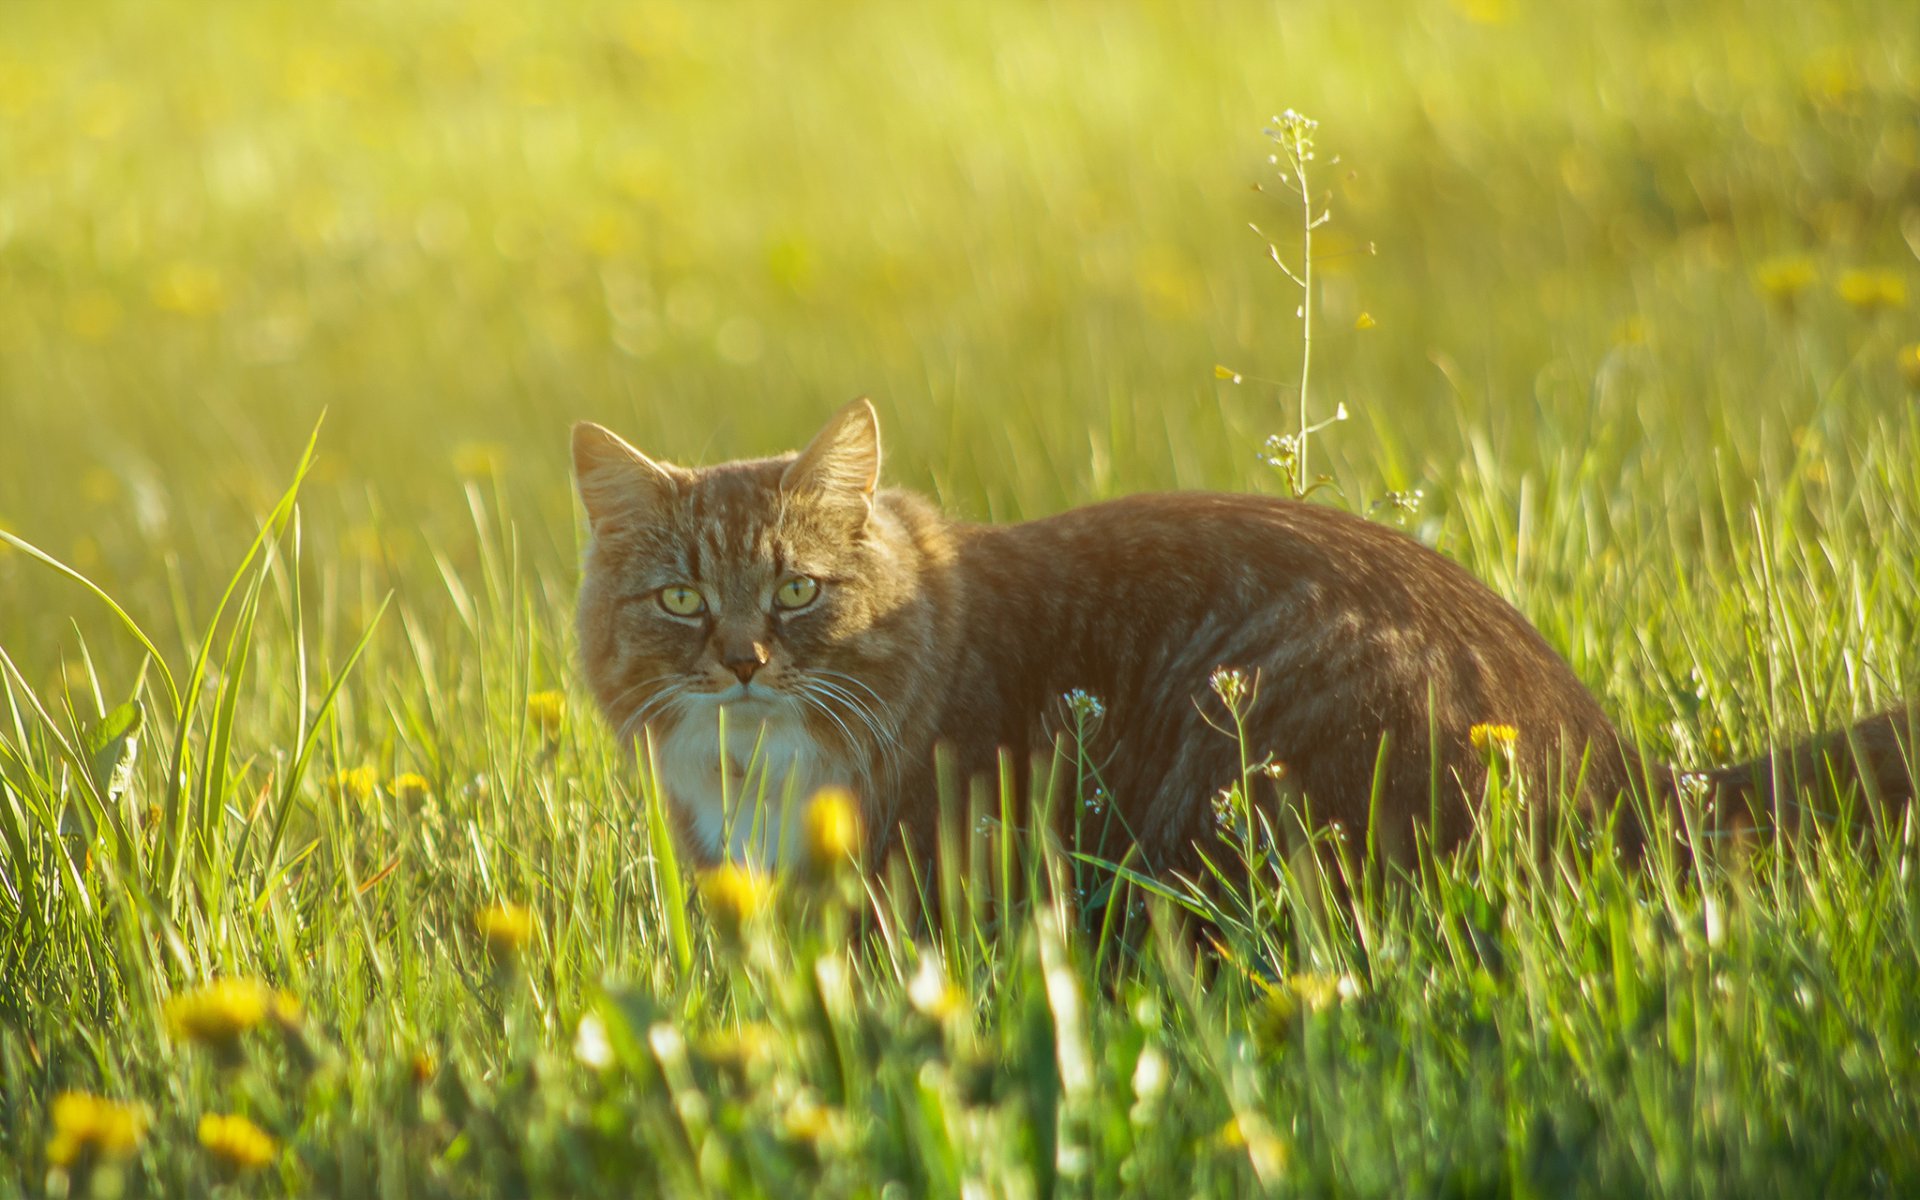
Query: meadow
(319,877)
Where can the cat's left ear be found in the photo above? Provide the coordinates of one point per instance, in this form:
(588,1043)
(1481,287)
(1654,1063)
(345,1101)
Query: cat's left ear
(842,463)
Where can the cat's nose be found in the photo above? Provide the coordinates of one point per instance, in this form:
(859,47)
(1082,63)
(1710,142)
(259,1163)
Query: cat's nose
(745,661)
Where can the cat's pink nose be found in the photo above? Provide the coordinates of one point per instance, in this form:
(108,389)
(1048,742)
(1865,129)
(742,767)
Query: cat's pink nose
(743,665)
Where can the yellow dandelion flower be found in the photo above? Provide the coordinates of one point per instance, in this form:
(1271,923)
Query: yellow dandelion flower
(1831,81)
(1907,358)
(1634,331)
(189,289)
(478,460)
(1783,280)
(410,789)
(1872,291)
(92,316)
(931,993)
(1485,12)
(831,825)
(739,1050)
(237,1142)
(811,1123)
(735,894)
(87,1124)
(355,784)
(506,929)
(1318,990)
(100,485)
(548,711)
(218,1013)
(1248,1133)
(1487,736)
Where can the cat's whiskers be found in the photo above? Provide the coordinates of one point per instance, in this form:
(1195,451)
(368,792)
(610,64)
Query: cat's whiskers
(856,706)
(653,706)
(845,680)
(808,696)
(843,677)
(884,728)
(619,701)
(883,756)
(883,738)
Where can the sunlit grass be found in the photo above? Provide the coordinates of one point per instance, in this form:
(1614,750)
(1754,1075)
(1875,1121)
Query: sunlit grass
(344,889)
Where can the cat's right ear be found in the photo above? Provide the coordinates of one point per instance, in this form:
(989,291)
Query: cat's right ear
(841,465)
(620,487)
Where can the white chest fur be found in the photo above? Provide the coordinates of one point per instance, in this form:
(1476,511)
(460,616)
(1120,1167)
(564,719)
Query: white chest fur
(732,804)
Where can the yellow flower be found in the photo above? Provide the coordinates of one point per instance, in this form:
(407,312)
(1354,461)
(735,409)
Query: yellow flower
(1282,1004)
(478,460)
(355,784)
(84,1123)
(93,316)
(237,1142)
(548,711)
(506,929)
(931,993)
(1782,280)
(189,289)
(218,1013)
(423,1068)
(739,1050)
(285,1010)
(1493,737)
(735,895)
(831,825)
(1319,990)
(1364,321)
(1248,1133)
(1908,360)
(1485,12)
(1871,291)
(1633,331)
(811,1123)
(410,789)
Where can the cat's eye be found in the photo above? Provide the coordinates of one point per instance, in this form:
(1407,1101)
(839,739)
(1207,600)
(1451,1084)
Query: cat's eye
(682,601)
(797,592)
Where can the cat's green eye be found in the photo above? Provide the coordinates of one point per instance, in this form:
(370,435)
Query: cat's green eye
(682,601)
(797,592)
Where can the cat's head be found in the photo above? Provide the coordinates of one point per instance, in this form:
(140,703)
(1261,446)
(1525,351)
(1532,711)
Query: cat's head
(763,585)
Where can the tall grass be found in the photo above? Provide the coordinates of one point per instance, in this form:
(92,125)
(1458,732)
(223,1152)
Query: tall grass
(1636,324)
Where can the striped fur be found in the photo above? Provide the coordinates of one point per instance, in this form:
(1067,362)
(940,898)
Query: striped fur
(1374,656)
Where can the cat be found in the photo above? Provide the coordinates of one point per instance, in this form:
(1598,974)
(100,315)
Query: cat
(844,632)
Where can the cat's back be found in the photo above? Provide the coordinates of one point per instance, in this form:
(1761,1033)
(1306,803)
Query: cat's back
(1213,552)
(1354,631)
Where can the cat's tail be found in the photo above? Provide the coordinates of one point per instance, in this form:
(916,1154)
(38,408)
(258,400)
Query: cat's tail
(1860,771)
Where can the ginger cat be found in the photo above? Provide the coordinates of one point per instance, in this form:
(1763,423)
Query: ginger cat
(845,631)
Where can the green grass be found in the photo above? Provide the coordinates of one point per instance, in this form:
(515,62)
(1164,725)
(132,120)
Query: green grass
(1618,341)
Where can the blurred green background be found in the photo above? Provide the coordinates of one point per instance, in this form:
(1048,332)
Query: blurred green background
(1629,266)
(1626,288)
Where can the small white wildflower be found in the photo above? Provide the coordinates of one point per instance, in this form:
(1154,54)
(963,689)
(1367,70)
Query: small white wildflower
(1084,705)
(1714,917)
(930,992)
(1280,450)
(1225,801)
(591,1045)
(1149,1075)
(1230,684)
